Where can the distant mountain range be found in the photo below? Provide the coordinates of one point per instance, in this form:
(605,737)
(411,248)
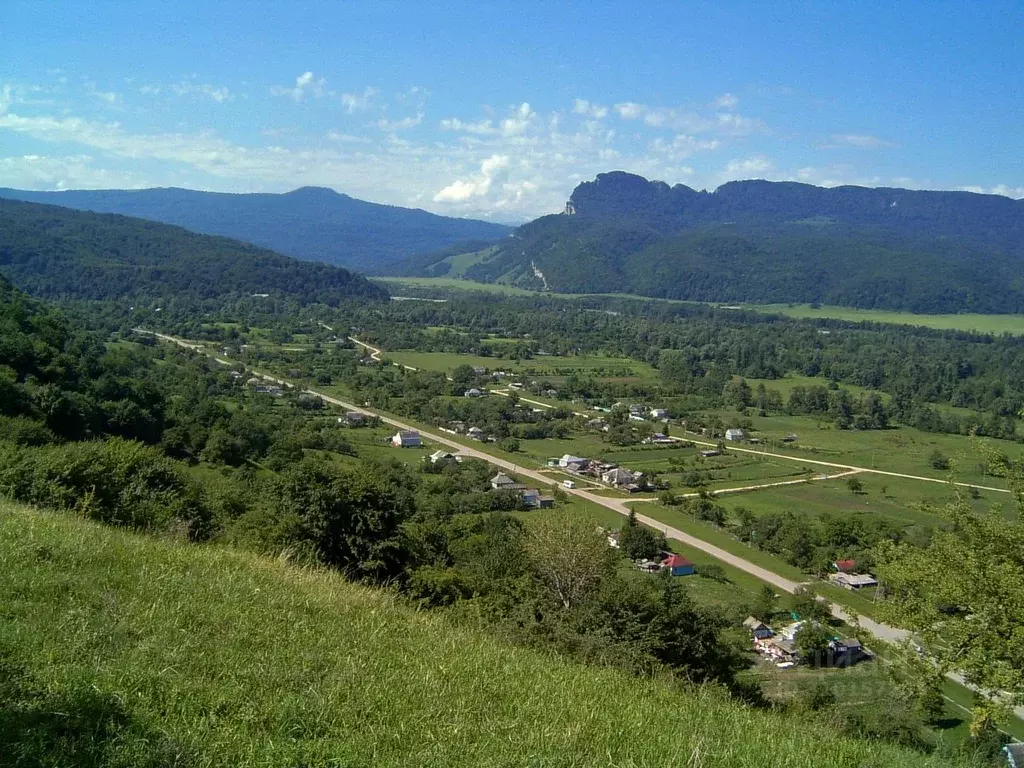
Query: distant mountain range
(766,242)
(311,223)
(58,253)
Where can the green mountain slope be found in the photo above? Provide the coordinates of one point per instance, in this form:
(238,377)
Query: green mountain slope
(61,253)
(120,649)
(310,223)
(769,243)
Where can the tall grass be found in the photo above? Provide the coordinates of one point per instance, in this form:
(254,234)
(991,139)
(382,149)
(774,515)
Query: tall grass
(123,649)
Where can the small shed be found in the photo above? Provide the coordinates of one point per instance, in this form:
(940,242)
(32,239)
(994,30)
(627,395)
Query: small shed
(679,565)
(758,628)
(1014,754)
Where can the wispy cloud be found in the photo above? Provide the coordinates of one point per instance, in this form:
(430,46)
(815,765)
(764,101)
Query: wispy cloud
(214,93)
(306,84)
(1005,190)
(584,107)
(398,125)
(725,101)
(358,102)
(855,141)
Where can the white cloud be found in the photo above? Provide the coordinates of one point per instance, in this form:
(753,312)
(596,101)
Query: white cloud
(757,166)
(725,101)
(1005,190)
(481,127)
(855,141)
(150,90)
(212,92)
(306,83)
(460,191)
(630,110)
(594,111)
(518,122)
(358,102)
(108,97)
(682,146)
(398,125)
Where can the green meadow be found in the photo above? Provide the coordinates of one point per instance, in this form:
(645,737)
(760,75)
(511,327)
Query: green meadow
(121,649)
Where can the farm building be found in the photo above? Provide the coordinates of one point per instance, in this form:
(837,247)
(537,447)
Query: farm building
(736,435)
(679,565)
(406,439)
(758,628)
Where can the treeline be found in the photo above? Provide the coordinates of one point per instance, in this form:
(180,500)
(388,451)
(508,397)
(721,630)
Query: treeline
(699,351)
(59,253)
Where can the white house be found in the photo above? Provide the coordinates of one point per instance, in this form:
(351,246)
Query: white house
(659,413)
(735,434)
(473,392)
(502,482)
(475,432)
(441,456)
(619,476)
(568,459)
(404,439)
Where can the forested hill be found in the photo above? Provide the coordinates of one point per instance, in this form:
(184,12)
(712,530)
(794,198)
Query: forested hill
(766,242)
(57,252)
(310,223)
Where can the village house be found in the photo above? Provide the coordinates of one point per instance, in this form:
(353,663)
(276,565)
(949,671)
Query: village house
(476,433)
(659,413)
(442,457)
(535,500)
(619,477)
(595,424)
(355,418)
(736,435)
(406,439)
(479,370)
(568,459)
(853,581)
(758,629)
(679,565)
(637,410)
(845,566)
(457,426)
(502,482)
(473,392)
(789,438)
(658,438)
(709,454)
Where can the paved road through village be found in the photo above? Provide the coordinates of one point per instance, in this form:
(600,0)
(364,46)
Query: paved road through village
(877,629)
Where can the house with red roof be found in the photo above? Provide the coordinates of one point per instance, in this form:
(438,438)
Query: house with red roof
(845,566)
(679,565)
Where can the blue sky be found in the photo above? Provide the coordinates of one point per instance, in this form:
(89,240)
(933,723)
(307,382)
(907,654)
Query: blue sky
(499,109)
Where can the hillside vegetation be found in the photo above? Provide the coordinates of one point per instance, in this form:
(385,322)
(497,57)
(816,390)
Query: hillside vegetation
(59,253)
(120,649)
(310,223)
(768,243)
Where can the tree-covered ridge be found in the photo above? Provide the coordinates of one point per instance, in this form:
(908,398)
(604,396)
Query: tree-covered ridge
(60,253)
(772,243)
(310,223)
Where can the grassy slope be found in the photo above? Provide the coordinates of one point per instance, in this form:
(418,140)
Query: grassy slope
(233,660)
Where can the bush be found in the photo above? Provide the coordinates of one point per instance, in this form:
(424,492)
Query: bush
(117,481)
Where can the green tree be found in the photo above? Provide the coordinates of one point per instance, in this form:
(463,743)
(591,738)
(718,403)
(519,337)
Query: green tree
(812,641)
(569,557)
(638,542)
(969,611)
(765,603)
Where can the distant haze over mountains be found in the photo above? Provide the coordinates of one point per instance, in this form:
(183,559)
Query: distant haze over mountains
(311,223)
(766,242)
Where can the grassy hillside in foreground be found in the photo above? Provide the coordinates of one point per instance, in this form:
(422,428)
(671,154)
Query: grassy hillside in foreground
(120,649)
